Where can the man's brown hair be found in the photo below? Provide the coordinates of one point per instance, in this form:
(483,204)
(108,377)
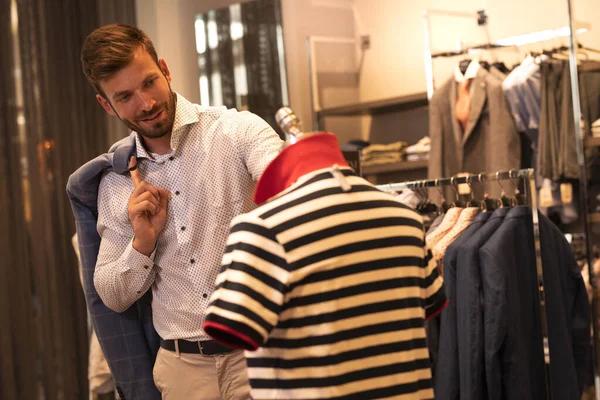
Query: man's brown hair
(110,48)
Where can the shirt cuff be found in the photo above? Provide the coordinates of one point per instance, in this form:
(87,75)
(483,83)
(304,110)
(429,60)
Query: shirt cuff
(136,260)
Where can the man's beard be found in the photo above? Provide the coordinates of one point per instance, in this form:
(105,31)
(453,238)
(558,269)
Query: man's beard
(160,129)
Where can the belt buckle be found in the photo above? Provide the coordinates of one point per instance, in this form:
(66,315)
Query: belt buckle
(200,348)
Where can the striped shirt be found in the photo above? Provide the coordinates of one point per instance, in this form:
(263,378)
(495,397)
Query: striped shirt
(329,286)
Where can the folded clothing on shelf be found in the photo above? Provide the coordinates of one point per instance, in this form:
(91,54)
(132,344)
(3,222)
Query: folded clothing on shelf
(423,146)
(383,153)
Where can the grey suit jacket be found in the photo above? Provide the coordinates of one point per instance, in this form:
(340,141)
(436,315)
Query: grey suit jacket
(490,141)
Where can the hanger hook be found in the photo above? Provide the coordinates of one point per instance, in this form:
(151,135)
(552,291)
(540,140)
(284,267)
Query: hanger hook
(481,179)
(438,188)
(453,184)
(515,178)
(500,184)
(471,187)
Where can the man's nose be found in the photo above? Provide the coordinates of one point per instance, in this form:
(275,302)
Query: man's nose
(146,101)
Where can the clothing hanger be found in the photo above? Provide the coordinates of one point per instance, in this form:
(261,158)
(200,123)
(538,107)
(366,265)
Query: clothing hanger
(505,201)
(490,203)
(444,204)
(473,202)
(457,203)
(520,199)
(427,207)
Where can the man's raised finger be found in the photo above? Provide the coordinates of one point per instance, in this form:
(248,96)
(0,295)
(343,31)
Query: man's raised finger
(134,171)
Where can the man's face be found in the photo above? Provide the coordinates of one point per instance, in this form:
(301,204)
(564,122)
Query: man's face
(140,95)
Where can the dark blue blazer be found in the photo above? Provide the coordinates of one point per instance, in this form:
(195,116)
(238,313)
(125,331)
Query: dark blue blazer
(447,373)
(514,354)
(128,339)
(469,310)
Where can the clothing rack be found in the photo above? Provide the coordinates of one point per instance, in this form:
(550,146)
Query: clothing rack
(468,49)
(528,176)
(481,18)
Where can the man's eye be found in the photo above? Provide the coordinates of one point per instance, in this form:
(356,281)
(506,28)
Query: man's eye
(150,82)
(125,97)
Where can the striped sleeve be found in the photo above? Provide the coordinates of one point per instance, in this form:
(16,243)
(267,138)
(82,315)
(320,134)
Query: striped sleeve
(434,286)
(250,288)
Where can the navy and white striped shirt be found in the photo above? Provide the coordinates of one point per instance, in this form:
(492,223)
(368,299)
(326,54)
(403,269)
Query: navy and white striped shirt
(331,289)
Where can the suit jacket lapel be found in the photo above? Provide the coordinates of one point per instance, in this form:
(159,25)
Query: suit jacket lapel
(478,98)
(456,128)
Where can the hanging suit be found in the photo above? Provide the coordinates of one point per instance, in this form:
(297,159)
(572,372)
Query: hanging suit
(514,360)
(489,142)
(447,384)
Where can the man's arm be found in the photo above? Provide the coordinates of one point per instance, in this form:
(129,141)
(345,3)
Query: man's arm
(125,268)
(122,273)
(258,143)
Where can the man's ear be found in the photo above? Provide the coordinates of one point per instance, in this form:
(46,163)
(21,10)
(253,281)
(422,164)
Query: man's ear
(105,104)
(162,64)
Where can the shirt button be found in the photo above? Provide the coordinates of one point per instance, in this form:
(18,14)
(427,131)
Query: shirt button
(205,295)
(139,291)
(192,261)
(183,228)
(171,158)
(177,193)
(146,267)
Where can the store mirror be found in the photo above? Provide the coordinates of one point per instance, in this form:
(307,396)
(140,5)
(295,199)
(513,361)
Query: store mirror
(241,62)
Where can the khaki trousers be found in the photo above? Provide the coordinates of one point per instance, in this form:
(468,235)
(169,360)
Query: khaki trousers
(197,377)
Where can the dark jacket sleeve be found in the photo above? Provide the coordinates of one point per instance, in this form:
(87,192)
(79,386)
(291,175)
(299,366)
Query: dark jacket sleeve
(580,325)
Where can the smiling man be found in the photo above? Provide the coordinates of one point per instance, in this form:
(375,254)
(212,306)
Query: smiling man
(164,226)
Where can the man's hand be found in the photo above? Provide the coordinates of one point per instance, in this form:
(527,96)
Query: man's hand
(147,210)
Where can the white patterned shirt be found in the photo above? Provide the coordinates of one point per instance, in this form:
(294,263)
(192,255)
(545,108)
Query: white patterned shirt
(217,156)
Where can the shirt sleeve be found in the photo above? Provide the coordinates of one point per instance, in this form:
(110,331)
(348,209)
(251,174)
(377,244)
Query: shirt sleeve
(435,298)
(258,143)
(250,288)
(122,274)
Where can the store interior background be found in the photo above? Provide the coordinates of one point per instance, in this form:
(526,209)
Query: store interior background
(393,65)
(50,124)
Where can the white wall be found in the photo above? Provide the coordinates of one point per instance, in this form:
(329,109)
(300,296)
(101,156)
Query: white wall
(395,64)
(303,18)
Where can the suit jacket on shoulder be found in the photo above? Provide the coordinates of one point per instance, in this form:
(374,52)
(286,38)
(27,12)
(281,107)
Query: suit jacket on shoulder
(128,339)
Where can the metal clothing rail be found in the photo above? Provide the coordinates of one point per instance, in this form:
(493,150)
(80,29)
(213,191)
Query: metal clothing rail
(528,176)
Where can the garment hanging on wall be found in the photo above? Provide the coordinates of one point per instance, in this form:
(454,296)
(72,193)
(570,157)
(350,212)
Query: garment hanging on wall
(489,141)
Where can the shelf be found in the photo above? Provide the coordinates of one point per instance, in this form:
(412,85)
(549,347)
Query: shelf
(591,142)
(395,167)
(377,107)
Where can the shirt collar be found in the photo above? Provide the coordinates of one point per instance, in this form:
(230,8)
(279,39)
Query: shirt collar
(470,73)
(185,114)
(305,156)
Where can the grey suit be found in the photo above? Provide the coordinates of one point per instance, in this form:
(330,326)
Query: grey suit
(490,141)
